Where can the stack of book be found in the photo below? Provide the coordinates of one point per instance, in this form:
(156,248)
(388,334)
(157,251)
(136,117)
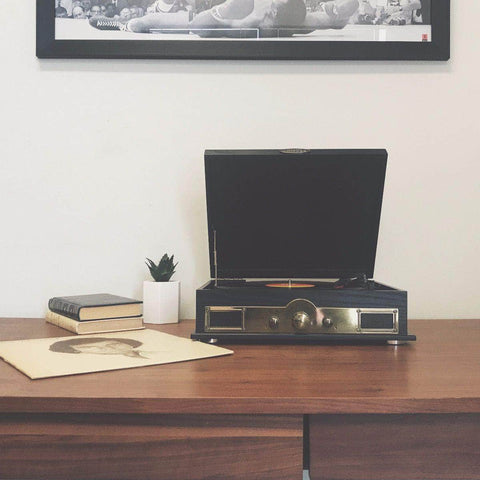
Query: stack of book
(97,313)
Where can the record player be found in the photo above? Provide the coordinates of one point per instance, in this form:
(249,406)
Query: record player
(292,243)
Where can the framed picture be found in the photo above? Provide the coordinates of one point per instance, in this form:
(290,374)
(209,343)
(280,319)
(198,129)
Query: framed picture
(245,29)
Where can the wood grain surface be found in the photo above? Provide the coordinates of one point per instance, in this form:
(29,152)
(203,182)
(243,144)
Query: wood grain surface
(151,447)
(440,373)
(395,447)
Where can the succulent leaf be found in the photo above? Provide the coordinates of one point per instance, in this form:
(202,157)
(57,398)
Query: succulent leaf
(164,270)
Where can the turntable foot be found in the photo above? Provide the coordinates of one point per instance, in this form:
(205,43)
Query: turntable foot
(396,342)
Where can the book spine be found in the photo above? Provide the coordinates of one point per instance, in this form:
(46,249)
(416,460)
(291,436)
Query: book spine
(62,322)
(68,309)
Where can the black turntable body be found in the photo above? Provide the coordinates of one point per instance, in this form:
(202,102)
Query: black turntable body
(292,240)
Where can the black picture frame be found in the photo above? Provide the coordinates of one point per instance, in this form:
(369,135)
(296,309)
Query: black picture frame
(438,49)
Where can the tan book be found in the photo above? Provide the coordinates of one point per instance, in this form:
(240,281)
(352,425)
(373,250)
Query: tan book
(94,326)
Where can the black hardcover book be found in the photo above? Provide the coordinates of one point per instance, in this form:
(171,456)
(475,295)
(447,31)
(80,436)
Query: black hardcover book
(96,306)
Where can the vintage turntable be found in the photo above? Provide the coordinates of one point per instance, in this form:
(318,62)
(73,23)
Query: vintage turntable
(292,240)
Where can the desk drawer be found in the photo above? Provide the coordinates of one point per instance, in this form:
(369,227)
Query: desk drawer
(156,447)
(395,447)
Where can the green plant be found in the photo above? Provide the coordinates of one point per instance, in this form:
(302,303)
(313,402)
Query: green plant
(164,270)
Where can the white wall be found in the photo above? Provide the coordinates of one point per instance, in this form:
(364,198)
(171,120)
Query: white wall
(102,162)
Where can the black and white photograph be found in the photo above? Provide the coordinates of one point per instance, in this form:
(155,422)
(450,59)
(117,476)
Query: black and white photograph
(56,357)
(335,20)
(250,28)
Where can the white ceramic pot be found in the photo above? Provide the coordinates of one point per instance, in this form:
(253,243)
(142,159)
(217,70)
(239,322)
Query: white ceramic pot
(161,302)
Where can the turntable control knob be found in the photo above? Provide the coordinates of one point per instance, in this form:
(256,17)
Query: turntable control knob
(301,320)
(327,322)
(273,323)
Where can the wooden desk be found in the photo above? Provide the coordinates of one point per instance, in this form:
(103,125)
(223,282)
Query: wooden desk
(371,412)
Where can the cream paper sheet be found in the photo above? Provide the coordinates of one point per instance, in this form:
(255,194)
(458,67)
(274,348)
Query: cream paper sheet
(55,357)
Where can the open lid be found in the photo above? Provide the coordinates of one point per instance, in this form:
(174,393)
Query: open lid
(293,213)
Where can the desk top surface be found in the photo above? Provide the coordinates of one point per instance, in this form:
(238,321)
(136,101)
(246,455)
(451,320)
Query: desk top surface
(440,373)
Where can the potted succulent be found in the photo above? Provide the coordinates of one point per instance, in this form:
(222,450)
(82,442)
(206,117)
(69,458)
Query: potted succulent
(161,296)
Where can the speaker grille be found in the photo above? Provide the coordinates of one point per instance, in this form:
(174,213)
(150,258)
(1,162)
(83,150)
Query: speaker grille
(377,321)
